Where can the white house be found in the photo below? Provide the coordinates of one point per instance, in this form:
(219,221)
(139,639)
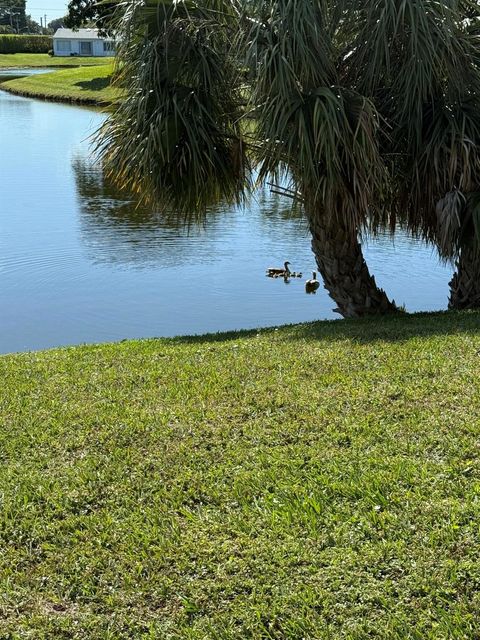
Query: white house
(84,42)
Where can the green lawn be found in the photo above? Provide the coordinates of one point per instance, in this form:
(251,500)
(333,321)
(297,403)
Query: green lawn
(315,481)
(83,84)
(22,60)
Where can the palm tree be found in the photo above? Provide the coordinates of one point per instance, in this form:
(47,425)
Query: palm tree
(368,109)
(421,69)
(216,87)
(314,126)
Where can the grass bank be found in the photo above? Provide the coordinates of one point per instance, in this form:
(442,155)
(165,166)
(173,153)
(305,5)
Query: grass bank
(32,60)
(86,85)
(315,481)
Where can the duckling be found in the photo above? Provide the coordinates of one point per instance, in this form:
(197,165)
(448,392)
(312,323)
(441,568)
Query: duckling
(299,274)
(312,285)
(272,271)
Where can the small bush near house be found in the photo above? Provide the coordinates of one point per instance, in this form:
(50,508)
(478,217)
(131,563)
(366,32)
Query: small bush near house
(25,44)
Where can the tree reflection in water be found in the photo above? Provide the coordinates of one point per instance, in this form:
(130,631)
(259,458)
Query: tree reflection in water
(116,229)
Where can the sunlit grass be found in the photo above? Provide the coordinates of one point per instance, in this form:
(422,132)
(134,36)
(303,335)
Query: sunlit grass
(316,481)
(82,84)
(25,60)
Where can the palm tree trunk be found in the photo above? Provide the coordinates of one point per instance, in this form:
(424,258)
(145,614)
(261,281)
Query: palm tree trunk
(465,284)
(345,273)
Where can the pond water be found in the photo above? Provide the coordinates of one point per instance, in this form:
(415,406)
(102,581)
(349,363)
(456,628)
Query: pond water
(11,74)
(79,262)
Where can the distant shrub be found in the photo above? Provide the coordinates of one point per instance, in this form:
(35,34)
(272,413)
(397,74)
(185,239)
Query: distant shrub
(25,44)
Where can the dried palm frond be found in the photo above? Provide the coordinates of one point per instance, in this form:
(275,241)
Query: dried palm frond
(449,214)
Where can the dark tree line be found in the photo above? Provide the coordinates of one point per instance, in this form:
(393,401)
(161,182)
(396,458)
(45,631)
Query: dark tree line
(85,12)
(13,15)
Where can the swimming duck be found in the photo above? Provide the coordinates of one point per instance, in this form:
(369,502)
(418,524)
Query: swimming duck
(312,285)
(278,271)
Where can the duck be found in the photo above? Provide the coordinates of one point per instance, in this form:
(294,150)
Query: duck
(278,271)
(312,285)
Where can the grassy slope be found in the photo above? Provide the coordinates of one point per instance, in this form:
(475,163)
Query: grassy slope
(23,60)
(84,84)
(318,481)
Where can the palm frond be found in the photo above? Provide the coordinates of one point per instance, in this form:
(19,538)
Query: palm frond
(323,134)
(449,214)
(176,139)
(447,162)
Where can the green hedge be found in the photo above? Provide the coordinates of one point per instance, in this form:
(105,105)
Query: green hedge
(25,44)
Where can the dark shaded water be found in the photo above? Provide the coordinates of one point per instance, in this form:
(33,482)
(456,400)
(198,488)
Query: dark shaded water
(80,263)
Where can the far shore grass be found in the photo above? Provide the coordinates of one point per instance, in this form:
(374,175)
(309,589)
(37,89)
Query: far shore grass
(318,481)
(84,84)
(32,60)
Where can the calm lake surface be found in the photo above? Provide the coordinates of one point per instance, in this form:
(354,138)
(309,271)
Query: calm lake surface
(80,263)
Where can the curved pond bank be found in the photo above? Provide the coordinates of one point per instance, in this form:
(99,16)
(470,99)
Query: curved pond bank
(84,85)
(11,73)
(79,262)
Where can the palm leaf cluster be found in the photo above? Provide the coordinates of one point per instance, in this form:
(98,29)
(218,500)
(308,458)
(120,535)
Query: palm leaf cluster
(323,133)
(176,138)
(419,62)
(370,107)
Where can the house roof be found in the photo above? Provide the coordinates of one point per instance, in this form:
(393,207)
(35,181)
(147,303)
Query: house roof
(81,34)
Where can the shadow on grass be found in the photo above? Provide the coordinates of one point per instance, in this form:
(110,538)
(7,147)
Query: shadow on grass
(395,328)
(96,84)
